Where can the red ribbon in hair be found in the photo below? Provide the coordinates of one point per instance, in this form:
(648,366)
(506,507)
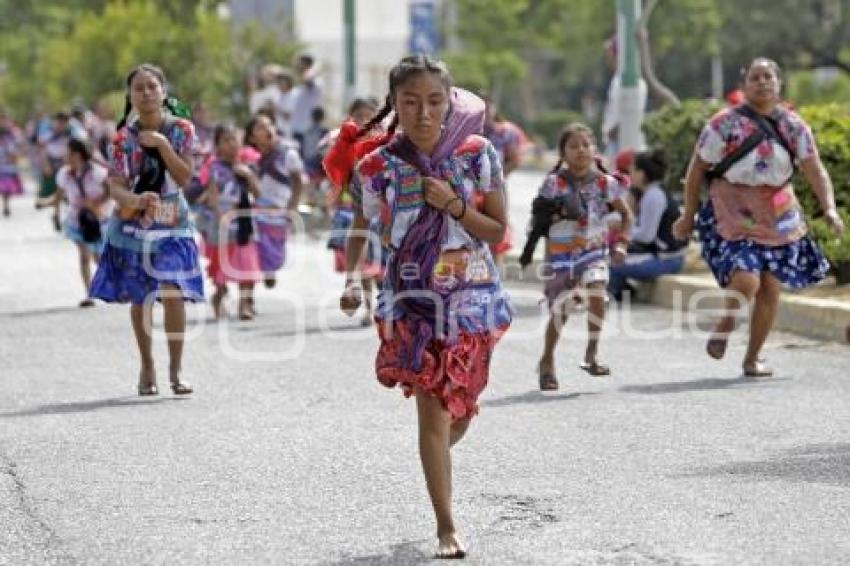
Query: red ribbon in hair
(344,154)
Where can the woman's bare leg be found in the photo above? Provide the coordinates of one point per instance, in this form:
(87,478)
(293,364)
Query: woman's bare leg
(742,287)
(85,257)
(435,453)
(763,316)
(175,327)
(141,317)
(595,320)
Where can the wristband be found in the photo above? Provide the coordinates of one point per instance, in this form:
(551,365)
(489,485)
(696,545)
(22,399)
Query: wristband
(451,200)
(462,211)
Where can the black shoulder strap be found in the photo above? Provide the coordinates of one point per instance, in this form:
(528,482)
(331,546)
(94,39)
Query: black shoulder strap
(268,166)
(568,177)
(80,180)
(768,124)
(727,162)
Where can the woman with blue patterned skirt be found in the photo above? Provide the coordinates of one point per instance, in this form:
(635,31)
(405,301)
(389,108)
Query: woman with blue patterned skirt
(752,228)
(150,252)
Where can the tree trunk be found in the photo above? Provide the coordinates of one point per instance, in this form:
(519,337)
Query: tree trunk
(656,87)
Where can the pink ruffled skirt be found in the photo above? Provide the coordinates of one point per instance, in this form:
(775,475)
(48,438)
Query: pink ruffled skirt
(455,372)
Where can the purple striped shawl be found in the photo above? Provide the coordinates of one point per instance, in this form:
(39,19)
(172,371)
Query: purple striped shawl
(422,243)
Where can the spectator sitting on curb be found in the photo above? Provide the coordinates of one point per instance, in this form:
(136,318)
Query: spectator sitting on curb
(653,250)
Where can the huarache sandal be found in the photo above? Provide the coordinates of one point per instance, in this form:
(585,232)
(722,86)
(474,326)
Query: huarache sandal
(548,381)
(757,369)
(245,311)
(179,387)
(147,387)
(595,369)
(716,347)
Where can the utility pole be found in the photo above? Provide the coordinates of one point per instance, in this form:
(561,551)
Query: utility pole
(350,46)
(632,98)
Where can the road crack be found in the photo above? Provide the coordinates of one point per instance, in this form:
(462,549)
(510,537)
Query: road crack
(51,541)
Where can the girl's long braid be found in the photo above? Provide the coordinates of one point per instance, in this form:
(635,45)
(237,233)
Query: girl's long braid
(385,111)
(128,107)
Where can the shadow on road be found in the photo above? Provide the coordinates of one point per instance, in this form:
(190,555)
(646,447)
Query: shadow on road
(86,406)
(534,396)
(306,331)
(812,463)
(40,312)
(707,384)
(403,553)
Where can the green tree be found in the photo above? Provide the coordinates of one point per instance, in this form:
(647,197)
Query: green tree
(799,34)
(87,48)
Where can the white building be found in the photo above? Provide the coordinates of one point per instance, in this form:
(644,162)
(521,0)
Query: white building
(382,32)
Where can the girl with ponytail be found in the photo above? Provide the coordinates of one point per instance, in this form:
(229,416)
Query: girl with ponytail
(573,204)
(442,308)
(360,112)
(150,252)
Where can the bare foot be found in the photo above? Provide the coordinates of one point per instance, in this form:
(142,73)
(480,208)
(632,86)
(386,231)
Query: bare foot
(450,547)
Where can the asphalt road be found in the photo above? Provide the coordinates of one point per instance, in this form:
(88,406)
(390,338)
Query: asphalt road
(291,453)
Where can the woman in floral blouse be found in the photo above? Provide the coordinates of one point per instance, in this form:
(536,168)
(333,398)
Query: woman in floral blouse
(752,227)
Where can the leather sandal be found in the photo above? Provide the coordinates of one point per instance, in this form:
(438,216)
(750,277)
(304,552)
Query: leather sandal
(548,381)
(179,387)
(245,311)
(716,347)
(757,369)
(147,388)
(595,369)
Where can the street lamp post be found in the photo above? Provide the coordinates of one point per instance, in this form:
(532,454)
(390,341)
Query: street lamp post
(350,23)
(628,68)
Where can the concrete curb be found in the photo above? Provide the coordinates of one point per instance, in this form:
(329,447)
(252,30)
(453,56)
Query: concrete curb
(814,317)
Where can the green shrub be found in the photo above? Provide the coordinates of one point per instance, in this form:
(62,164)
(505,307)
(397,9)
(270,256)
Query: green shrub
(675,132)
(836,249)
(831,126)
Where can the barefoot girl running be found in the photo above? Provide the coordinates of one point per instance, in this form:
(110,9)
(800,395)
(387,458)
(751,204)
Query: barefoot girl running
(442,307)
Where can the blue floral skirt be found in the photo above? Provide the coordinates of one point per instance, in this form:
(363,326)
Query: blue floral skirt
(796,265)
(124,275)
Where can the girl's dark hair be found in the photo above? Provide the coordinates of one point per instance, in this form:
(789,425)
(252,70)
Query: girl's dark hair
(160,77)
(222,130)
(405,69)
(569,131)
(652,163)
(81,148)
(773,65)
(358,103)
(252,123)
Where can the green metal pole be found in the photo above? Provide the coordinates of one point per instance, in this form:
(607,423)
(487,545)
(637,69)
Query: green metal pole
(630,67)
(350,21)
(632,95)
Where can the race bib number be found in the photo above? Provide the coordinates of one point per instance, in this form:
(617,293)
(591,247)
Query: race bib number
(167,214)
